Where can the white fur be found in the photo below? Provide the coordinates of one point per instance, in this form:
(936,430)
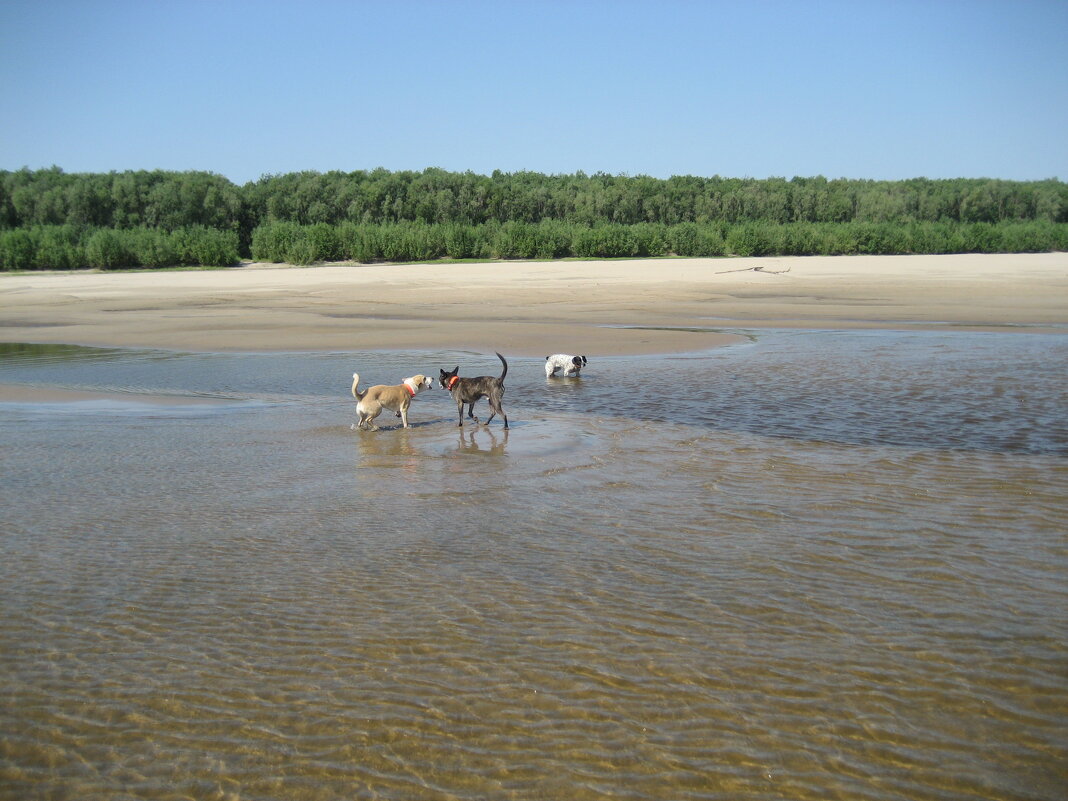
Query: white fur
(564,363)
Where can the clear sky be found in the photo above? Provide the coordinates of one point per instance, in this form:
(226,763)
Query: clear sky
(749,88)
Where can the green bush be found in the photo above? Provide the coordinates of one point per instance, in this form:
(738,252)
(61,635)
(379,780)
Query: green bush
(325,242)
(213,248)
(155,248)
(926,237)
(650,239)
(401,242)
(754,240)
(683,239)
(800,239)
(360,242)
(553,239)
(460,241)
(983,238)
(710,241)
(516,240)
(170,201)
(272,241)
(393,244)
(69,246)
(300,251)
(17,250)
(880,238)
(428,241)
(604,241)
(109,249)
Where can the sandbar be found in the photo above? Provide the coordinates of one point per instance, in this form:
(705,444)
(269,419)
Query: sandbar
(624,307)
(21,393)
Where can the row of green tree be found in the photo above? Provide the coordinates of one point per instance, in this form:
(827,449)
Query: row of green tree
(49,218)
(70,247)
(171,200)
(437,196)
(156,199)
(553,239)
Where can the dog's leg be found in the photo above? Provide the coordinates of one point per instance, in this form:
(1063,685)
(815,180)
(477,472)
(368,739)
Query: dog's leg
(460,412)
(372,414)
(403,414)
(471,411)
(495,409)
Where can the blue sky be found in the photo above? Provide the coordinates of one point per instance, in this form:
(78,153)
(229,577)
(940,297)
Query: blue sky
(883,90)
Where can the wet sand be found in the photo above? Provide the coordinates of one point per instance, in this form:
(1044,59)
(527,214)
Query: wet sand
(530,308)
(17,393)
(822,564)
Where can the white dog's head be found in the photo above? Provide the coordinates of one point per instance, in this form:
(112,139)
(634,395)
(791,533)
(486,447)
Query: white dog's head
(417,383)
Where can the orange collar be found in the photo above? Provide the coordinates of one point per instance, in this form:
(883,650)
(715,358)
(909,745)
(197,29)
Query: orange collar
(452,381)
(409,387)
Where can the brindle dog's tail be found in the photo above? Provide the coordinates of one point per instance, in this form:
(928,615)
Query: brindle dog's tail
(356,387)
(503,374)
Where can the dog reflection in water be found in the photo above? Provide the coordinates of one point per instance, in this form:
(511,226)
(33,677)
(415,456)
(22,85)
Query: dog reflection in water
(402,450)
(469,442)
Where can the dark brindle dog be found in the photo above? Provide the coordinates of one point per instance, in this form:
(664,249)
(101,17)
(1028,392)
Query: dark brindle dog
(469,390)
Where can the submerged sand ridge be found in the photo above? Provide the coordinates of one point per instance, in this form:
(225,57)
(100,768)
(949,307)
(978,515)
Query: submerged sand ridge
(530,308)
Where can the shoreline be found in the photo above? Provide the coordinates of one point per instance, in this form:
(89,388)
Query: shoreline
(617,307)
(32,394)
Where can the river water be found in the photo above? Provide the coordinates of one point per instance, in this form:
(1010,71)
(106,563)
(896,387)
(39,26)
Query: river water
(813,565)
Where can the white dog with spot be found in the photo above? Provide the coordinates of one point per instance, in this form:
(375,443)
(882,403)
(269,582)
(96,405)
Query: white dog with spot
(563,363)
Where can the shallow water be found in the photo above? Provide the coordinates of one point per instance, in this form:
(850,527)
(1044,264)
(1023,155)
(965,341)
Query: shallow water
(817,565)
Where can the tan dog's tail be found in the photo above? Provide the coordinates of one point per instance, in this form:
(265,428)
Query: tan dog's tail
(356,387)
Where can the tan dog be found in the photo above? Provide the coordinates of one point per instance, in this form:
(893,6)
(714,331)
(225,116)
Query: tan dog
(396,398)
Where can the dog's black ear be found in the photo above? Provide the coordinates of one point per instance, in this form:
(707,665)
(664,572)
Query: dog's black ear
(546,358)
(583,361)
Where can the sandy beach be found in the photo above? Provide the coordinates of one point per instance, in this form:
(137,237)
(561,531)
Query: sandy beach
(817,550)
(530,308)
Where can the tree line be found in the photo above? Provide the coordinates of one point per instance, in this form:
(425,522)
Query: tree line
(49,218)
(71,247)
(554,239)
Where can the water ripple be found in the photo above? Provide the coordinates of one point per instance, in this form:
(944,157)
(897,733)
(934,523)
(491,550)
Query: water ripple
(831,565)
